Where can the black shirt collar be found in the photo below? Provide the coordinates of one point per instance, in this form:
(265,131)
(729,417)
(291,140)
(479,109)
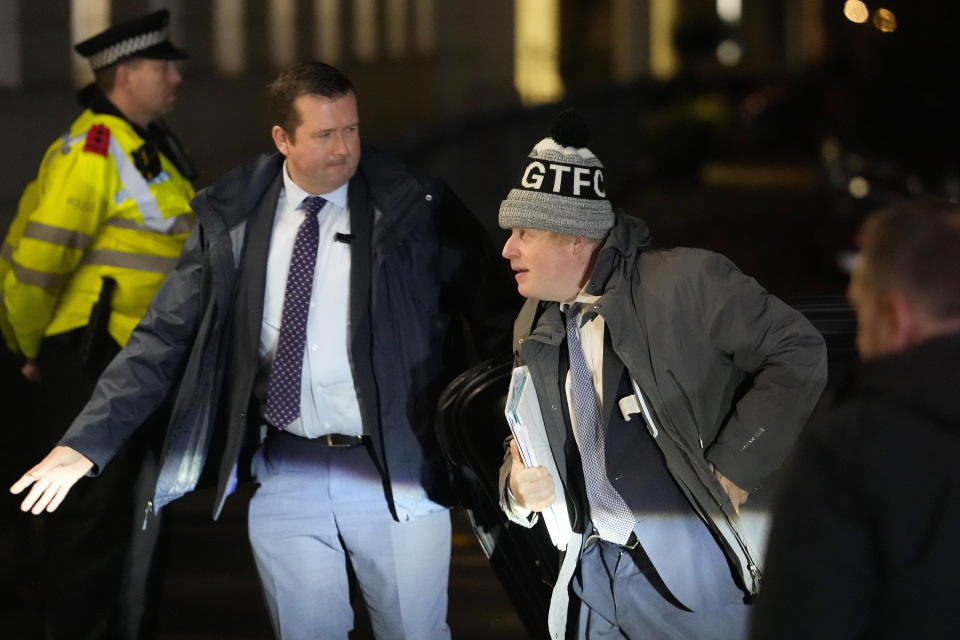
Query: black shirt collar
(92,98)
(157,133)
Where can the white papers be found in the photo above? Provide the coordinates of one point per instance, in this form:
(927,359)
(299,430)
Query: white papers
(526,423)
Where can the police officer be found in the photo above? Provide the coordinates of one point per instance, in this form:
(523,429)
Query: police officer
(95,236)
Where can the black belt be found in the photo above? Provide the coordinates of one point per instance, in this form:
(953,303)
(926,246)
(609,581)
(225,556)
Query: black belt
(632,543)
(340,441)
(332,440)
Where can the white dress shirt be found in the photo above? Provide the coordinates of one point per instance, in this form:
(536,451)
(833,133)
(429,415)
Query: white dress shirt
(328,397)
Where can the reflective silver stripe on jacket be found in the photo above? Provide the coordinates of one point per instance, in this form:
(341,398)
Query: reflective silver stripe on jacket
(139,190)
(138,261)
(6,252)
(179,224)
(48,281)
(96,257)
(59,236)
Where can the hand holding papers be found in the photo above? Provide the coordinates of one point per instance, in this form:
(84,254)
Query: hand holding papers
(526,422)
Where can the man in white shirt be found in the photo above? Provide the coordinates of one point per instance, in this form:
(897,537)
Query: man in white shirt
(308,329)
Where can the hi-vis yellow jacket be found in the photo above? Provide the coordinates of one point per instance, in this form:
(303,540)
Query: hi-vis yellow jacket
(92,213)
(28,202)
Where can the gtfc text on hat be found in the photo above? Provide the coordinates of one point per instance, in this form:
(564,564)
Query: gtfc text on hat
(144,37)
(561,186)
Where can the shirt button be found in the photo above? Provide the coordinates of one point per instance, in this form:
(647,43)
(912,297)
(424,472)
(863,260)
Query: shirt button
(319,387)
(312,304)
(314,347)
(326,425)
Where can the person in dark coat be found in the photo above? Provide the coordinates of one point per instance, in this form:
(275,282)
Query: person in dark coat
(864,538)
(670,386)
(307,331)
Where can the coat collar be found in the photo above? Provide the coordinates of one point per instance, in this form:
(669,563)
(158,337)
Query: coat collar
(626,240)
(542,321)
(394,194)
(924,378)
(233,197)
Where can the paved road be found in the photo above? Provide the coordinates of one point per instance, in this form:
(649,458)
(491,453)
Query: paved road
(211,590)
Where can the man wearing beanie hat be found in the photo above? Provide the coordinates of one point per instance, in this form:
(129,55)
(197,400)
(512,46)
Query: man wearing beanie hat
(670,386)
(95,236)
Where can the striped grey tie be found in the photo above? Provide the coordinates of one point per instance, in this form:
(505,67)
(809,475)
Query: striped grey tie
(608,510)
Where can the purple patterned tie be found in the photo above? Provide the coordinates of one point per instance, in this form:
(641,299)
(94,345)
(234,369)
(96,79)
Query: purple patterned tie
(283,390)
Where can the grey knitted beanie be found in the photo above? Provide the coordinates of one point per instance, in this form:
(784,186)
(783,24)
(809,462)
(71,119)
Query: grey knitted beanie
(561,187)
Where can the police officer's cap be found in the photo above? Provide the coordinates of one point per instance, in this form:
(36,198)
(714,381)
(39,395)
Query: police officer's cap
(144,37)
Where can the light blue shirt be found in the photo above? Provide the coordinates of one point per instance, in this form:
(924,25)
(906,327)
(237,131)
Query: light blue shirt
(328,395)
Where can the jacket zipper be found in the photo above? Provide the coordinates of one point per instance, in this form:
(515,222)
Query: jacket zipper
(751,566)
(747,556)
(146,514)
(686,401)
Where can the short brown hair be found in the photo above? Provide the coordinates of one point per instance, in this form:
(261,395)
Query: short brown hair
(915,247)
(106,78)
(304,78)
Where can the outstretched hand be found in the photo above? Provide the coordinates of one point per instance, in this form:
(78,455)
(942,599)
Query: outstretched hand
(52,478)
(532,488)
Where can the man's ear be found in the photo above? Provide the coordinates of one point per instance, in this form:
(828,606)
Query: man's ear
(903,321)
(121,76)
(280,139)
(581,244)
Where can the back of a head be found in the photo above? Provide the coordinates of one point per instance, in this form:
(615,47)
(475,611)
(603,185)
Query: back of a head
(304,78)
(915,248)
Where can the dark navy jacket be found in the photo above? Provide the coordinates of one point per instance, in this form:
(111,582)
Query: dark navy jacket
(421,264)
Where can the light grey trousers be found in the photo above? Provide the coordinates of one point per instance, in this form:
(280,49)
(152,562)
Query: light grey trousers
(318,508)
(622,597)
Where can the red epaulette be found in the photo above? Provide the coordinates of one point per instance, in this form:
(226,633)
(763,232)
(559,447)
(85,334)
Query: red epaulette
(98,140)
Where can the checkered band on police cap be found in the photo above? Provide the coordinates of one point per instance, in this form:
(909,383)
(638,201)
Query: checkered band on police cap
(143,37)
(561,186)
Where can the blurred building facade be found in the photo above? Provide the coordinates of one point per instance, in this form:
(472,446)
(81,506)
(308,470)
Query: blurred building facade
(416,63)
